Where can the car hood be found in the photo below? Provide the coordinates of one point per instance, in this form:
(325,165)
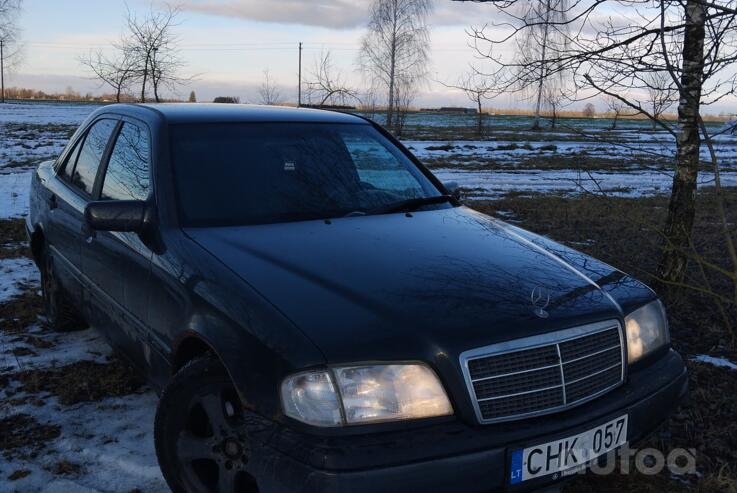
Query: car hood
(422,286)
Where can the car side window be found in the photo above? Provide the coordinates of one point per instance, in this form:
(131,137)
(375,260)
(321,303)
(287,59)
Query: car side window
(91,154)
(127,175)
(378,167)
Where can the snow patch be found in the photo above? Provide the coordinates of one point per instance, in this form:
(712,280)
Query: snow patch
(14,191)
(111,440)
(66,349)
(66,486)
(16,276)
(45,113)
(484,184)
(629,149)
(722,362)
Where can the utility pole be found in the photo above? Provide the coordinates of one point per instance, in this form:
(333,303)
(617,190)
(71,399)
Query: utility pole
(2,72)
(299,77)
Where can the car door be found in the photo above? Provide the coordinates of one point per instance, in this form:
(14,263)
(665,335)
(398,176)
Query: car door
(117,264)
(67,197)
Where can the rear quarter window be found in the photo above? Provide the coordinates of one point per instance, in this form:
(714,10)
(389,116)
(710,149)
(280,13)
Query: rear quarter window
(67,168)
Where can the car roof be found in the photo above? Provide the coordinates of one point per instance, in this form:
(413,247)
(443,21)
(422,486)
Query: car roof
(236,113)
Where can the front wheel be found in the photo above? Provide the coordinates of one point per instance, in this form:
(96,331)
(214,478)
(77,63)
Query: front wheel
(200,440)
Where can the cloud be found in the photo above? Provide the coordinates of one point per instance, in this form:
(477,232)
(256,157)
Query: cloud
(447,13)
(336,14)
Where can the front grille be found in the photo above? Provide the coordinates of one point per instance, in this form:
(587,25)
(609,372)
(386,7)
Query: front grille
(544,374)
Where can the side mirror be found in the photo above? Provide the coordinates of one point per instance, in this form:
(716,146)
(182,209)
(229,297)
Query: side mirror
(118,215)
(453,189)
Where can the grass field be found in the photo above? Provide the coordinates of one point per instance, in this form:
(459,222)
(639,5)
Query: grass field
(73,417)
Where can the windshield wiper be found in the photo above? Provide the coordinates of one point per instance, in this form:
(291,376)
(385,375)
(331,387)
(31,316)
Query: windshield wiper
(410,205)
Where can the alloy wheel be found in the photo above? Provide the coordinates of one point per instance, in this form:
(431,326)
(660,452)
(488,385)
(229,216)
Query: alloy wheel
(212,448)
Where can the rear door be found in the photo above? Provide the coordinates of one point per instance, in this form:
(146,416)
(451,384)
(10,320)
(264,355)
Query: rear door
(67,198)
(117,264)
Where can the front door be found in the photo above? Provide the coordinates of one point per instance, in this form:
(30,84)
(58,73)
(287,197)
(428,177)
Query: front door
(117,264)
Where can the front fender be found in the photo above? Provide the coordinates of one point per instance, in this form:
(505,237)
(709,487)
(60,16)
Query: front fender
(255,342)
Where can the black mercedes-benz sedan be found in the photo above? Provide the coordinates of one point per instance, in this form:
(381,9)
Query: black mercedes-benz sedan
(320,313)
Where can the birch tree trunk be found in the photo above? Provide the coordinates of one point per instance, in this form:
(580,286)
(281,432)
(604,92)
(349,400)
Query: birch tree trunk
(480,120)
(392,69)
(392,90)
(143,82)
(543,66)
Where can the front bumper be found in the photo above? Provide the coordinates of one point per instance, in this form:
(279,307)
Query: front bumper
(454,456)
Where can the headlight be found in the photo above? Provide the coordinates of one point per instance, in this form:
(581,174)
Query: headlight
(647,330)
(364,394)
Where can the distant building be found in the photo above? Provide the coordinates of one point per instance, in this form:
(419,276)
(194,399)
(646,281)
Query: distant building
(328,106)
(451,109)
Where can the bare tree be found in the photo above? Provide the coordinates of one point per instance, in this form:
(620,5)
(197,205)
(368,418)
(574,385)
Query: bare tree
(369,102)
(151,41)
(119,72)
(145,57)
(539,49)
(589,110)
(327,85)
(616,107)
(661,94)
(404,94)
(694,41)
(9,50)
(554,98)
(268,91)
(394,51)
(477,88)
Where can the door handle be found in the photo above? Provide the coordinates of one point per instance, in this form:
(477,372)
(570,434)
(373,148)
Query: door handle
(53,204)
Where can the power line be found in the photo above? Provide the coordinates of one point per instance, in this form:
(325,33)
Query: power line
(276,45)
(195,45)
(185,48)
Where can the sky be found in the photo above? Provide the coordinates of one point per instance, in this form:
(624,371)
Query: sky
(227,44)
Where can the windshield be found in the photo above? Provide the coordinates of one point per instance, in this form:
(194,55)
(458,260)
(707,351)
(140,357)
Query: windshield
(256,173)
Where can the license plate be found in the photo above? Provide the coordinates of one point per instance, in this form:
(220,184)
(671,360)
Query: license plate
(567,454)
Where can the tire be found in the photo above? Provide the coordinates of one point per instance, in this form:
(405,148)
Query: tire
(61,313)
(200,440)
